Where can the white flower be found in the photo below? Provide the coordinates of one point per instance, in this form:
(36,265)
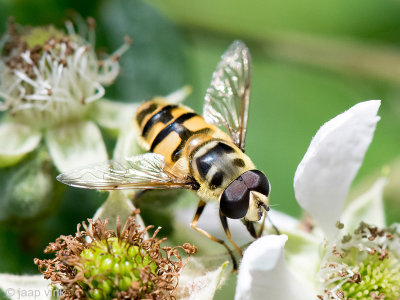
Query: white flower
(324,176)
(49,82)
(362,262)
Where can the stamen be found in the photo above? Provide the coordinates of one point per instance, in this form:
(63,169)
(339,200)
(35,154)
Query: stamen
(99,94)
(121,50)
(70,28)
(63,70)
(364,264)
(92,33)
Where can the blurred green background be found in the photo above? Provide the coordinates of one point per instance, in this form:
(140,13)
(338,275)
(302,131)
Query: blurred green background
(311,61)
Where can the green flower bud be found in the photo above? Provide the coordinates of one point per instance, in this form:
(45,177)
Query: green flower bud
(96,294)
(39,36)
(101,264)
(28,190)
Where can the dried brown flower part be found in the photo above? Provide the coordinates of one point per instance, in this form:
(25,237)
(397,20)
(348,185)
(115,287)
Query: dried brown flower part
(33,41)
(101,264)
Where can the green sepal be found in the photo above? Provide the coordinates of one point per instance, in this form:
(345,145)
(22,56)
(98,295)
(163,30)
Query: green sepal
(16,140)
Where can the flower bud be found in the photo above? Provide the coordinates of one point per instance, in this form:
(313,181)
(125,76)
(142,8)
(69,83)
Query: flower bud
(101,264)
(30,189)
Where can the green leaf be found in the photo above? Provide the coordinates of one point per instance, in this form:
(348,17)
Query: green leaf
(76,145)
(43,12)
(258,19)
(155,64)
(3,295)
(157,207)
(4,13)
(16,140)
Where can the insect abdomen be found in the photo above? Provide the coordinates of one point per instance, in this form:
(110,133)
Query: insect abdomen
(166,128)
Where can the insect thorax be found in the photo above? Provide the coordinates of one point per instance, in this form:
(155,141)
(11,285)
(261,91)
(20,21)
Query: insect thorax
(215,164)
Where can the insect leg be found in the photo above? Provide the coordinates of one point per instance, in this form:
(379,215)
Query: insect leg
(228,233)
(274,226)
(260,231)
(193,224)
(250,228)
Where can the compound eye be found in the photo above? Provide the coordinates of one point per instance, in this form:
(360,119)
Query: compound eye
(234,201)
(256,181)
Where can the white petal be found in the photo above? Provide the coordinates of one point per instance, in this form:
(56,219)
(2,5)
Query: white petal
(127,144)
(113,115)
(283,221)
(323,177)
(76,145)
(26,287)
(117,204)
(195,283)
(16,140)
(302,250)
(367,208)
(303,254)
(179,95)
(263,273)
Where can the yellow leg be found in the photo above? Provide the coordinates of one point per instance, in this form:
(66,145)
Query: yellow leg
(193,224)
(228,233)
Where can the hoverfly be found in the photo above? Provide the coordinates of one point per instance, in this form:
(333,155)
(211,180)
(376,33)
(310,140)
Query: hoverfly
(190,151)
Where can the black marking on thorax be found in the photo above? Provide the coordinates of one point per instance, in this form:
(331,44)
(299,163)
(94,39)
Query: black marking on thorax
(181,130)
(205,161)
(216,180)
(239,162)
(141,115)
(164,116)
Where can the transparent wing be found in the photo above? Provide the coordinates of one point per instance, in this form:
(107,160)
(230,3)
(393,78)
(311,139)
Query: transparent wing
(146,171)
(227,99)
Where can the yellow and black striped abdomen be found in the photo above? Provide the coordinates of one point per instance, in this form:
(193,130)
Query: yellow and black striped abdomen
(166,128)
